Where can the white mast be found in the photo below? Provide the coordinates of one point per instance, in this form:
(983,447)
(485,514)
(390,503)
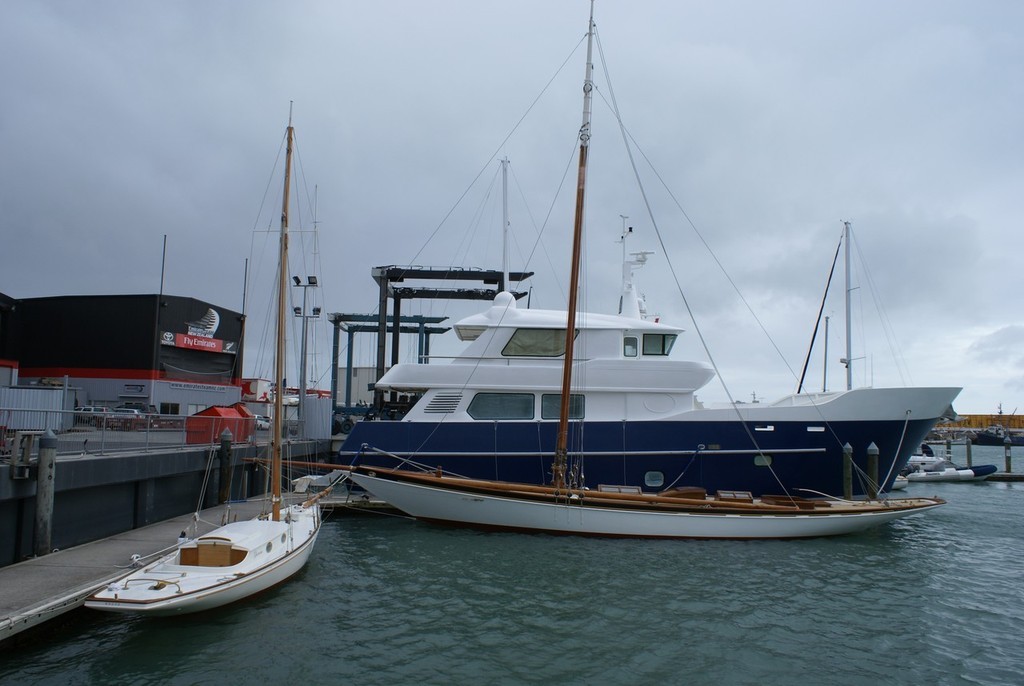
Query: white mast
(848,361)
(824,364)
(504,225)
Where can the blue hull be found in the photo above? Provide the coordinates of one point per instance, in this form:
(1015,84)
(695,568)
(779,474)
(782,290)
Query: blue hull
(652,455)
(984,469)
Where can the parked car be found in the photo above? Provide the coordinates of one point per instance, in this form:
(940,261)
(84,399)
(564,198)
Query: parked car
(127,419)
(91,414)
(262,423)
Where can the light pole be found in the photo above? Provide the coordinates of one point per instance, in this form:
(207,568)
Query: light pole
(301,312)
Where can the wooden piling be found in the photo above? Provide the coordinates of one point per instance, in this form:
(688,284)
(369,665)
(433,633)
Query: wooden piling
(224,455)
(872,471)
(45,479)
(848,471)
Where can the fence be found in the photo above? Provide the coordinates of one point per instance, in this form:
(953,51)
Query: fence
(103,433)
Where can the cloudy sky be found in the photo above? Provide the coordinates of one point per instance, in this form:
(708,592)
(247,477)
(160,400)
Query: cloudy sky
(757,129)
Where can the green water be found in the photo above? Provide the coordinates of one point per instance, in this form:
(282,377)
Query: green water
(935,599)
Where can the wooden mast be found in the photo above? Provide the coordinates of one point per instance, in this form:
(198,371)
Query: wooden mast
(279,352)
(558,469)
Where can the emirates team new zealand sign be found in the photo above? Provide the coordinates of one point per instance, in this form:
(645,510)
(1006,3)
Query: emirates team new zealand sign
(200,335)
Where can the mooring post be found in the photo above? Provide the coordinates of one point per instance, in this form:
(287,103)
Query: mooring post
(224,455)
(873,484)
(848,472)
(949,449)
(44,493)
(968,446)
(1006,452)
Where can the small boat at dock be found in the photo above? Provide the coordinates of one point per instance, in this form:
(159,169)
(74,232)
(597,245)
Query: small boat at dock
(933,468)
(228,564)
(997,435)
(238,559)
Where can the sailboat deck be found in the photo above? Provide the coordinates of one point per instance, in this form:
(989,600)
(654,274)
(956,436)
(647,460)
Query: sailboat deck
(683,500)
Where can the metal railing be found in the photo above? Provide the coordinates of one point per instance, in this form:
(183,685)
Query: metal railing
(102,433)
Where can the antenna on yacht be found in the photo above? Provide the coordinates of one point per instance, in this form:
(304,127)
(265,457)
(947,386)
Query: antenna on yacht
(631,302)
(622,238)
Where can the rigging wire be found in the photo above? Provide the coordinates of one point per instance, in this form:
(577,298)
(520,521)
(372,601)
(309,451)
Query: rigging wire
(498,150)
(262,356)
(817,322)
(533,222)
(675,277)
(547,218)
(887,328)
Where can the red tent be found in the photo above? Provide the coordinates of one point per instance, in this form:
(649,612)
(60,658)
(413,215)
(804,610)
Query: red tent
(207,426)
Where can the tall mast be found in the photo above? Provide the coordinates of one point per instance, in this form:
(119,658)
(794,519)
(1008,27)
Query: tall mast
(824,361)
(282,293)
(849,335)
(504,225)
(559,466)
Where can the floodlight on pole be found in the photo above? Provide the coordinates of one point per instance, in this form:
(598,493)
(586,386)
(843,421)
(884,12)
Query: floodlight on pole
(311,282)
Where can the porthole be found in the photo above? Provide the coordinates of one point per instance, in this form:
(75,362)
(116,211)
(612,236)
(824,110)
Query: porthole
(283,537)
(654,479)
(270,545)
(763,460)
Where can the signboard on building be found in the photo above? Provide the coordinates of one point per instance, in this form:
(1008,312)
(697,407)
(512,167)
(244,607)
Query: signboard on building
(200,335)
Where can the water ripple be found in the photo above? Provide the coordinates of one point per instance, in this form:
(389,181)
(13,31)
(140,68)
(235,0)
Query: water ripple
(936,599)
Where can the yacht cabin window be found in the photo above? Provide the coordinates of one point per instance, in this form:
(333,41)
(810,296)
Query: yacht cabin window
(551,404)
(469,333)
(658,343)
(501,406)
(535,343)
(629,346)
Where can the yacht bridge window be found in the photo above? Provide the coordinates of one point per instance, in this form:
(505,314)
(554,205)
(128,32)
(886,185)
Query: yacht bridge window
(658,343)
(536,343)
(501,406)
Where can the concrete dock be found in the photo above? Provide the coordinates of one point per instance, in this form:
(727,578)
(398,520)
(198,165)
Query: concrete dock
(41,588)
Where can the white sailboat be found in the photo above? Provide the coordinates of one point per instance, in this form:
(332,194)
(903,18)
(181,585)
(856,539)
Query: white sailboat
(567,507)
(241,558)
(625,512)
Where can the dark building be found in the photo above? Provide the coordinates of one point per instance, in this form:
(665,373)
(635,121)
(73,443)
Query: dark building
(8,364)
(177,358)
